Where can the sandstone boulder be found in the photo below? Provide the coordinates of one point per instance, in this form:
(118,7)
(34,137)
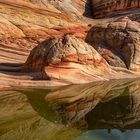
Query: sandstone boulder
(118,42)
(67,58)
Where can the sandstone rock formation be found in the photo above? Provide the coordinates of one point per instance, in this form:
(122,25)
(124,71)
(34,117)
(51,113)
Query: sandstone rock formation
(118,42)
(67,58)
(24,24)
(103,7)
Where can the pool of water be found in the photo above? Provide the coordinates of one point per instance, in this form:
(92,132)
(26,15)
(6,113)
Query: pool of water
(95,111)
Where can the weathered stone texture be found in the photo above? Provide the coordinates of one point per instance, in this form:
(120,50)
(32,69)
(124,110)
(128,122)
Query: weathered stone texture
(103,7)
(118,42)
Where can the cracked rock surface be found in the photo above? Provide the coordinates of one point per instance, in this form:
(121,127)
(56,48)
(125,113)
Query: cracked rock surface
(67,58)
(118,42)
(103,8)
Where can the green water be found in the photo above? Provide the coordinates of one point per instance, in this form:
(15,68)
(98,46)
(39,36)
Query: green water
(96,111)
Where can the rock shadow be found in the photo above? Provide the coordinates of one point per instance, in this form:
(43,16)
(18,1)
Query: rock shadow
(88,9)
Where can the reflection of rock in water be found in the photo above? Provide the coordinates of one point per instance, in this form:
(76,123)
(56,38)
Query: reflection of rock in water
(105,105)
(69,103)
(77,100)
(122,112)
(101,105)
(19,121)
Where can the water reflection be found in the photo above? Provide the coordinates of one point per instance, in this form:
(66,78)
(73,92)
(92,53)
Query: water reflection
(101,105)
(103,110)
(114,135)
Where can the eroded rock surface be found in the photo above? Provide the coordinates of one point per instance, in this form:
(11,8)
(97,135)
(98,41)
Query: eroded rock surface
(103,7)
(24,24)
(118,42)
(67,58)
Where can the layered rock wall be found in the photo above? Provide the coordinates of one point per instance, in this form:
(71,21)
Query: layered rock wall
(103,7)
(118,42)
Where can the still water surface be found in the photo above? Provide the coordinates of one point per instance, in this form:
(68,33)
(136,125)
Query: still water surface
(96,111)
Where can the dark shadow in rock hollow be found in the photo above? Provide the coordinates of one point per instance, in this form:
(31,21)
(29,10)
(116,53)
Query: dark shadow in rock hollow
(10,67)
(15,69)
(88,9)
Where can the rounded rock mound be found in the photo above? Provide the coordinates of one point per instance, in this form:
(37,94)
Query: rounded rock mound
(118,42)
(69,59)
